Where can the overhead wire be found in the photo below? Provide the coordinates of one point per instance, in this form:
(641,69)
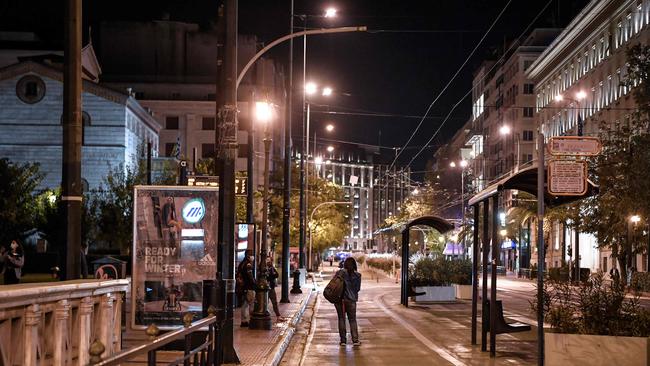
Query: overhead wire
(481,79)
(450,81)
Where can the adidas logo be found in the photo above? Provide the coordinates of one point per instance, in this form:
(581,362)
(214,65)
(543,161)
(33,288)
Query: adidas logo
(207,260)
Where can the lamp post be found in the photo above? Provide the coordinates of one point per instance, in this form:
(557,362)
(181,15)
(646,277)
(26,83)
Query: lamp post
(579,97)
(463,165)
(311,218)
(329,13)
(261,318)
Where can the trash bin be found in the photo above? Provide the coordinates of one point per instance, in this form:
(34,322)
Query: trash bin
(109,268)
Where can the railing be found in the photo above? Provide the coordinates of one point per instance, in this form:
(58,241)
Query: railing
(203,355)
(55,323)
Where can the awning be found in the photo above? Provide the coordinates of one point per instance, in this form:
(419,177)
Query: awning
(526,180)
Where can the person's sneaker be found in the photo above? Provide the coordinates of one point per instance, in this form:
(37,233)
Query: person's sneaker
(356,343)
(342,344)
(244,324)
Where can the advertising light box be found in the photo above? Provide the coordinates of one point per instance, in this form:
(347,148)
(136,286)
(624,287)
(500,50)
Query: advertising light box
(174,251)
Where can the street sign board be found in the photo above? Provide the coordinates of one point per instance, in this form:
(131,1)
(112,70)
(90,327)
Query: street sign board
(574,145)
(567,177)
(213,181)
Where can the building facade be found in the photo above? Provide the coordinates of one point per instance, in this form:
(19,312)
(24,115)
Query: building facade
(171,70)
(116,128)
(585,66)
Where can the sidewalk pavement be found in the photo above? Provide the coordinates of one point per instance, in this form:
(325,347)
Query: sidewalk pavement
(266,347)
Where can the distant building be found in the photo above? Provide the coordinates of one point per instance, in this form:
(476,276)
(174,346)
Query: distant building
(585,65)
(115,126)
(171,69)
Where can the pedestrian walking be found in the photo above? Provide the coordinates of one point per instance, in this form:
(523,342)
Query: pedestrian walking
(14,260)
(272,277)
(245,286)
(348,304)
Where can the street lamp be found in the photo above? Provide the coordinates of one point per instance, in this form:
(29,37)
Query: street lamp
(261,318)
(463,164)
(579,97)
(330,148)
(330,12)
(329,127)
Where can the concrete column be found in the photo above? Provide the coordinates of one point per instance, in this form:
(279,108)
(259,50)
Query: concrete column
(85,330)
(106,326)
(32,320)
(61,355)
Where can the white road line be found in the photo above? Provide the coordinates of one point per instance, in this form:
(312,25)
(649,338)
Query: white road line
(426,341)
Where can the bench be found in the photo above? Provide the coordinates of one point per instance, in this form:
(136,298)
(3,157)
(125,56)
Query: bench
(501,325)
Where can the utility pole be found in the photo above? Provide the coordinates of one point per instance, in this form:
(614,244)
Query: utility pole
(225,154)
(287,175)
(71,195)
(250,194)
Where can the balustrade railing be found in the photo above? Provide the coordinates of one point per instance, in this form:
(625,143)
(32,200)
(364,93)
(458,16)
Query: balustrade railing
(55,323)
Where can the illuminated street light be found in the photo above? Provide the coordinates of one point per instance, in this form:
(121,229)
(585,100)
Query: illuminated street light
(330,148)
(327,91)
(452,164)
(463,163)
(416,191)
(504,130)
(329,127)
(635,219)
(318,160)
(263,111)
(503,232)
(311,88)
(330,12)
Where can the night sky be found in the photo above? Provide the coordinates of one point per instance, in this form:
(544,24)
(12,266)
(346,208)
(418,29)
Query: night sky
(395,71)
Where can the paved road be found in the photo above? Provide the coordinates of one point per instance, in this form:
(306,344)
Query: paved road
(420,335)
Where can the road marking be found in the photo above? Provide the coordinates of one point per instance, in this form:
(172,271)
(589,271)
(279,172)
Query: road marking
(426,341)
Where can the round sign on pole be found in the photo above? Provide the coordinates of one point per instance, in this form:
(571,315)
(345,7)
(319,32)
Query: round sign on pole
(193,211)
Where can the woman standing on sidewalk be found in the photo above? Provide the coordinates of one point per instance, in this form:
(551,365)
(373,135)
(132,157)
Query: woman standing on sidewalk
(348,304)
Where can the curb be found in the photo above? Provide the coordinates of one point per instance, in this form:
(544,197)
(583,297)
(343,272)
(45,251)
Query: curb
(275,356)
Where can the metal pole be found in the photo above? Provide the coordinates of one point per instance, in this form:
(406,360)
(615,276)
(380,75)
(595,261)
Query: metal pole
(484,290)
(475,246)
(286,204)
(303,155)
(72,195)
(250,155)
(301,249)
(261,318)
(540,247)
(226,152)
(462,208)
(493,275)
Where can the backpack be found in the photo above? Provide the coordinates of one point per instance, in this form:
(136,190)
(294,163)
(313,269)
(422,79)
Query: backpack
(333,292)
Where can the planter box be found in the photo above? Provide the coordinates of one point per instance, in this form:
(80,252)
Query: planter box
(594,350)
(436,294)
(463,292)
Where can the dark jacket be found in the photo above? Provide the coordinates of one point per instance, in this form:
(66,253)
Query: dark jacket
(272,276)
(352,285)
(245,271)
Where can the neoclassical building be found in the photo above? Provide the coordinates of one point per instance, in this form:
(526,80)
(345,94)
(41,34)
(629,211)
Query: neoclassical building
(116,128)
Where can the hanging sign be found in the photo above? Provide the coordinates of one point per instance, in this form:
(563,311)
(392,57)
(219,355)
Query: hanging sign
(574,145)
(567,177)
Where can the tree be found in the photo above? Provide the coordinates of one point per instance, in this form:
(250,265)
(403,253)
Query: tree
(205,166)
(331,223)
(18,203)
(621,170)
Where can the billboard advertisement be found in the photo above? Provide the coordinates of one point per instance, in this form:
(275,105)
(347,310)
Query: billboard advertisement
(174,250)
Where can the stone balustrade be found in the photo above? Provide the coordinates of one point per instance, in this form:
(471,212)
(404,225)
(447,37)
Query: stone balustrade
(55,323)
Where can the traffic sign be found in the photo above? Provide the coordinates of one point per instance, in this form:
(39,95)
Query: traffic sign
(574,145)
(567,177)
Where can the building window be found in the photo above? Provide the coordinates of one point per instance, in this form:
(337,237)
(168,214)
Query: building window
(529,88)
(527,135)
(139,95)
(528,111)
(169,148)
(527,64)
(207,151)
(208,123)
(171,122)
(85,121)
(30,89)
(176,95)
